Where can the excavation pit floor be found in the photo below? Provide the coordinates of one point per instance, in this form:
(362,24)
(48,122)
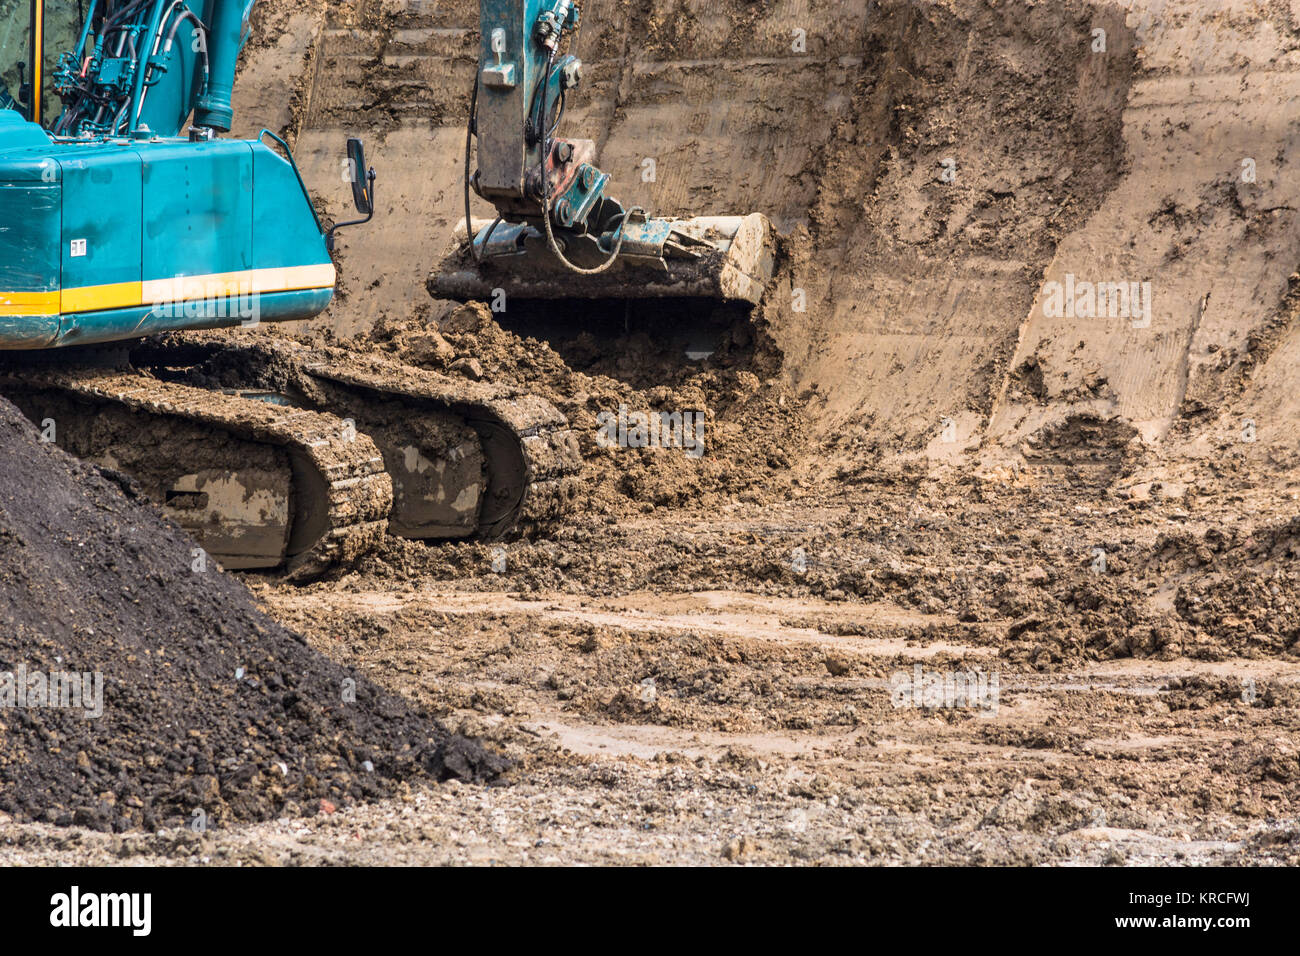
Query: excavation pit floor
(709,702)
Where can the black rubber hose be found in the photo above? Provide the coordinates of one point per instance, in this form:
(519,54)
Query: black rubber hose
(127,10)
(546,197)
(469,140)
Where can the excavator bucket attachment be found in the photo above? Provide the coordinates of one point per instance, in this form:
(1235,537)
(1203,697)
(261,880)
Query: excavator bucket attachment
(722,258)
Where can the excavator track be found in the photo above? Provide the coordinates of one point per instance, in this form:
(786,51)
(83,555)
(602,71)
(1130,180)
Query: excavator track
(531,456)
(329,503)
(512,468)
(278,456)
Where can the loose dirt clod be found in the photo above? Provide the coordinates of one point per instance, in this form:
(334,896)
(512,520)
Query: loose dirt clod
(210,711)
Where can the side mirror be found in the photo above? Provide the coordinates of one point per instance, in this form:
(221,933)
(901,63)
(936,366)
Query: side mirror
(363,189)
(361,196)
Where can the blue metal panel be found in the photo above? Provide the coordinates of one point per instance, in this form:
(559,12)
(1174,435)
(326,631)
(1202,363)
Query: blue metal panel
(198,208)
(28,331)
(29,263)
(101,217)
(284,226)
(17,133)
(147,210)
(29,236)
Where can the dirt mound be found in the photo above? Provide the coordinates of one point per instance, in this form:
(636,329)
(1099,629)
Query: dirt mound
(190,699)
(746,435)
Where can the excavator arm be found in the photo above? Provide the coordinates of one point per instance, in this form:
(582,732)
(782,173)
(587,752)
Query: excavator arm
(558,233)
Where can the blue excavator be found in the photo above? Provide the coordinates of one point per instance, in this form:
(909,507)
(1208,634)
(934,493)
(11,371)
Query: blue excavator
(126,198)
(130,219)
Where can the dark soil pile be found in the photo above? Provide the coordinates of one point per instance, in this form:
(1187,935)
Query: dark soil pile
(208,705)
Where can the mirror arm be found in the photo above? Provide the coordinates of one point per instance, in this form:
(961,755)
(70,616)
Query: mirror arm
(329,237)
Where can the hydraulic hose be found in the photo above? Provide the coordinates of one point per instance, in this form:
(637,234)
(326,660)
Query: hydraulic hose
(199,26)
(546,193)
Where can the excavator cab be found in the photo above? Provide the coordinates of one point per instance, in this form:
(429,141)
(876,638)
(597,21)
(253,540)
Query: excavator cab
(33,34)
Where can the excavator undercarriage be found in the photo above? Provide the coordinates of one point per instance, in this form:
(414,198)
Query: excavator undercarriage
(275,455)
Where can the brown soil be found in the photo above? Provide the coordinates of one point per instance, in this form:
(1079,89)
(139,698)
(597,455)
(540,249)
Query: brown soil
(910,459)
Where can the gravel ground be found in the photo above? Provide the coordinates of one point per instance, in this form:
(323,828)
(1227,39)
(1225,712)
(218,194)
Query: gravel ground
(756,725)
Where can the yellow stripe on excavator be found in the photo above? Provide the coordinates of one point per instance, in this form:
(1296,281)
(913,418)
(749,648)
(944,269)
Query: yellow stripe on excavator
(126,295)
(246,282)
(93,298)
(29,303)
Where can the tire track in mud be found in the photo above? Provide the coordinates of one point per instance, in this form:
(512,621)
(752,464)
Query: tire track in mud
(753,631)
